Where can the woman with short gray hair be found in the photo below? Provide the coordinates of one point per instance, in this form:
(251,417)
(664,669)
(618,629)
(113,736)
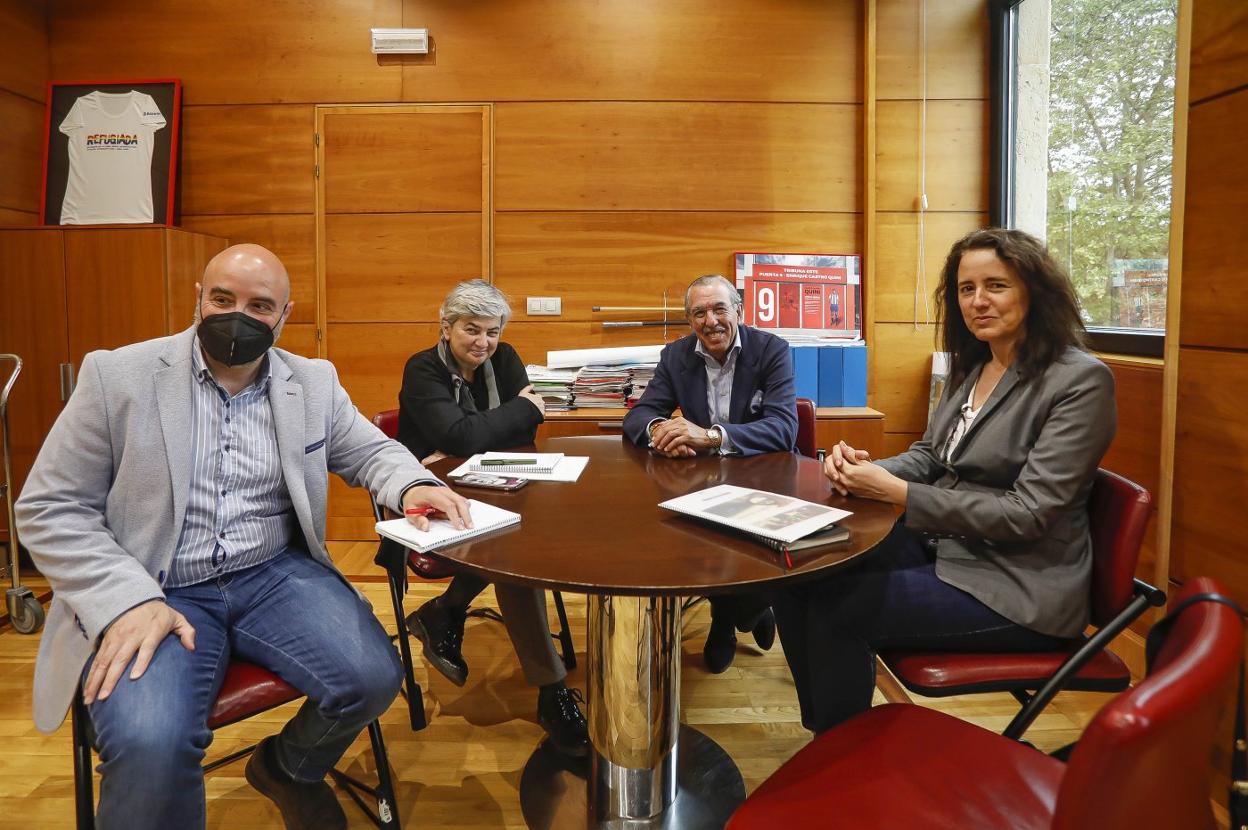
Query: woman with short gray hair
(467,394)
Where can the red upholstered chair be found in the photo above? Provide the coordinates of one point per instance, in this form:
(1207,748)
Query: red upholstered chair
(1118,511)
(247,690)
(427,566)
(1142,762)
(806,428)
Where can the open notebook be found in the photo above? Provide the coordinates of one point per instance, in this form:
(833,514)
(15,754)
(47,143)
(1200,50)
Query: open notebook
(486,518)
(784,523)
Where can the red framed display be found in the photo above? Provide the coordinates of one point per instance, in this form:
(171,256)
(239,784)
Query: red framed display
(110,152)
(802,295)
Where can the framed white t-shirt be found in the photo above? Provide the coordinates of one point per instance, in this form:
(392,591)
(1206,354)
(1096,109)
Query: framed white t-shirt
(110,158)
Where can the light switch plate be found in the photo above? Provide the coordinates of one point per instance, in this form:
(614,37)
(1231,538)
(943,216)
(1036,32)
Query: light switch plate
(544,306)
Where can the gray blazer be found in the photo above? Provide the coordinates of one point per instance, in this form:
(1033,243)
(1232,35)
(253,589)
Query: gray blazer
(102,507)
(1011,506)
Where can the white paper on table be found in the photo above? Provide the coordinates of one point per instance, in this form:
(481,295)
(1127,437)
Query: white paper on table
(617,356)
(568,469)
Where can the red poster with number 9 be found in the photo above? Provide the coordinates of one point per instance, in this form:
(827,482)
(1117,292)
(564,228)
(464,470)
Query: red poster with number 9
(763,299)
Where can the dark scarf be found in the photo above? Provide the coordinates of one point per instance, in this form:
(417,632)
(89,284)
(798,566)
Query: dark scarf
(463,390)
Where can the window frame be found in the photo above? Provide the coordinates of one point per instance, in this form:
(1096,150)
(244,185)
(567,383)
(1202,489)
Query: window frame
(1003,108)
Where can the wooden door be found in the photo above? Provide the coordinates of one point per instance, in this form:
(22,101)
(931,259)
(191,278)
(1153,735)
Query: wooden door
(32,326)
(403,213)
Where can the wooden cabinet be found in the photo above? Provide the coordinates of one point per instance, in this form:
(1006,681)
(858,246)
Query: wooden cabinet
(66,291)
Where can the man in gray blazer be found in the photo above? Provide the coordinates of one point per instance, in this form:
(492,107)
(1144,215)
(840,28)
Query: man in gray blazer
(177,508)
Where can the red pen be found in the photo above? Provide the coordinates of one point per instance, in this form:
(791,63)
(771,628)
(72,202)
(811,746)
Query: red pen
(420,511)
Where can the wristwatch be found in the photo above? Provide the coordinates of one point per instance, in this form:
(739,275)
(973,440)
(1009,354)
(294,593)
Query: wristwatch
(716,436)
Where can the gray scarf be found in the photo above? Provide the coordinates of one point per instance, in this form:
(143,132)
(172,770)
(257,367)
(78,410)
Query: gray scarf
(463,390)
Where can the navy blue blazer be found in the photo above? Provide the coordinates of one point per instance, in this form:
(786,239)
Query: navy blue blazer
(762,415)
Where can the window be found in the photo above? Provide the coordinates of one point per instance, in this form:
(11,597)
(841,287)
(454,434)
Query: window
(1083,124)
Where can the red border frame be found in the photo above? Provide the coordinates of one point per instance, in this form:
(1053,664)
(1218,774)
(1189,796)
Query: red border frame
(862,279)
(173,137)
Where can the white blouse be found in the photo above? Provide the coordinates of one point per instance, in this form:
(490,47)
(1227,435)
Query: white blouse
(961,425)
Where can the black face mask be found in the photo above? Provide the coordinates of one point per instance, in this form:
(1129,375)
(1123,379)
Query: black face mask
(234,338)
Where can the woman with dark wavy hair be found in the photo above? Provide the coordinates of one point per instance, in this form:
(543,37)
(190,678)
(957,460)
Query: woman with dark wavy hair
(993,552)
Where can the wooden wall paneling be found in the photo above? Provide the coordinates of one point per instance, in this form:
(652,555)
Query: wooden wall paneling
(397,267)
(677,156)
(1211,470)
(370,358)
(292,236)
(32,326)
(299,338)
(186,254)
(1215,250)
(247,159)
(533,340)
(121,271)
(1136,451)
(21,152)
(400,160)
(896,443)
(703,50)
(231,51)
(903,368)
(957,49)
(1219,51)
(24,45)
(896,263)
(630,258)
(10,218)
(957,169)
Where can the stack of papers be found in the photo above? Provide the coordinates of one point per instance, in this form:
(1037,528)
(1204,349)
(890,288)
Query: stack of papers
(640,374)
(554,385)
(533,466)
(601,386)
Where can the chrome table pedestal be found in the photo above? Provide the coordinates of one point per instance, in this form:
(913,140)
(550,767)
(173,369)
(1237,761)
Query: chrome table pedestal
(645,770)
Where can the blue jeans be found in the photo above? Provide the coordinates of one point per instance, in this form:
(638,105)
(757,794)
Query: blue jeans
(832,628)
(290,615)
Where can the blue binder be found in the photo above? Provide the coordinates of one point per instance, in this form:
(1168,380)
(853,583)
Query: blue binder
(854,376)
(830,369)
(806,371)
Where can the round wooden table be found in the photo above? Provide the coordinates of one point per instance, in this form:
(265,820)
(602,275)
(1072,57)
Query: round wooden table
(606,537)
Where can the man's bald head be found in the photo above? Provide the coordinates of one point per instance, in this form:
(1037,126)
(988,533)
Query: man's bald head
(252,262)
(247,278)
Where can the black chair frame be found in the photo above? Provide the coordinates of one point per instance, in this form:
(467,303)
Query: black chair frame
(396,576)
(384,814)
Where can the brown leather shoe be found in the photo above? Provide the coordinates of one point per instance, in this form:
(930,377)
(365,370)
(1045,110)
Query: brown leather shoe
(304,805)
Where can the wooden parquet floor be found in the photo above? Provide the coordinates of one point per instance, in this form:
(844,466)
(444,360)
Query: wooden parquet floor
(463,771)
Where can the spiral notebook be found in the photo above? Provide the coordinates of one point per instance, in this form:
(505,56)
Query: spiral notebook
(486,518)
(526,462)
(783,523)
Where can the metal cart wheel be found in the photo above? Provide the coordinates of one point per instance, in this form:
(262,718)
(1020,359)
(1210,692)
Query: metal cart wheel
(25,611)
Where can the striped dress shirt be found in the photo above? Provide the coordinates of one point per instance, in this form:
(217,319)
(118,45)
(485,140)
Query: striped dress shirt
(719,387)
(238,512)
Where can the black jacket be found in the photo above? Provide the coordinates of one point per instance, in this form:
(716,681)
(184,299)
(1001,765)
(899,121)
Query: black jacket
(431,420)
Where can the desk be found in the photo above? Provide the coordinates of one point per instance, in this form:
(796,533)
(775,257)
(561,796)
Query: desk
(606,537)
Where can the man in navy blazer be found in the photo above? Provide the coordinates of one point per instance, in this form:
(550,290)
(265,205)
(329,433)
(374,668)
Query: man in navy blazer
(734,387)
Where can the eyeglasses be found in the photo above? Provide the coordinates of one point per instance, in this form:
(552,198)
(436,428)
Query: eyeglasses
(719,310)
